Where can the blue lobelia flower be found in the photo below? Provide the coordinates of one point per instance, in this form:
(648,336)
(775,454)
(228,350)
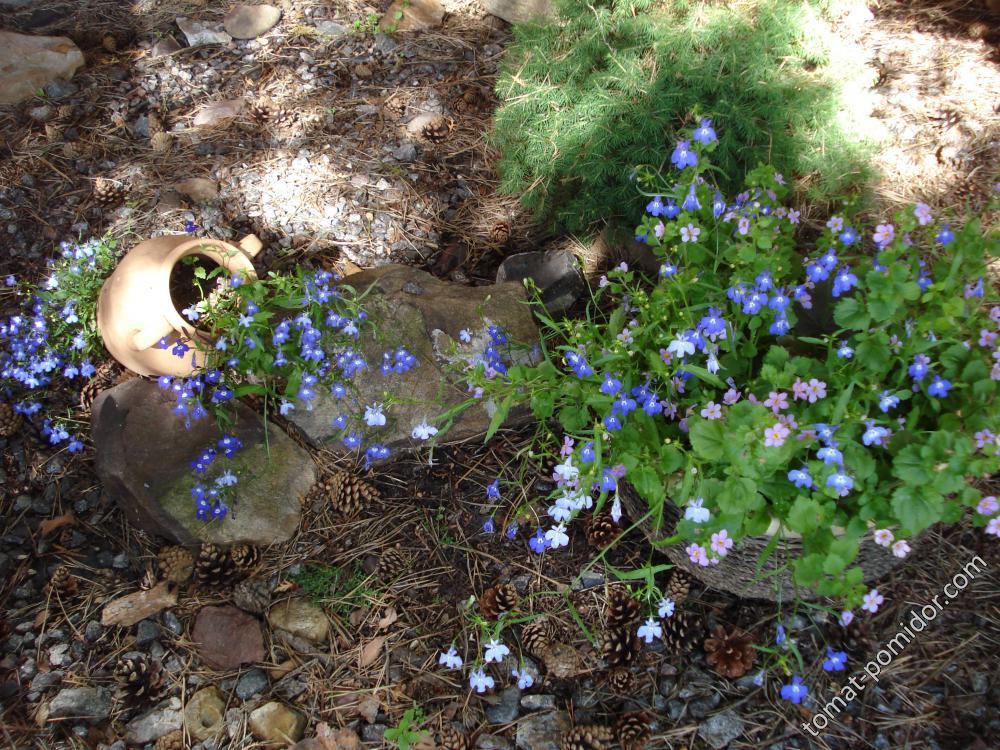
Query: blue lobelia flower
(705,133)
(794,691)
(844,281)
(691,202)
(939,388)
(683,156)
(849,236)
(835,661)
(655,207)
(920,367)
(800,477)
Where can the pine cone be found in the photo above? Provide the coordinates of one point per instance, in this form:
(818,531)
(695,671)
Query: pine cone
(497,600)
(500,232)
(136,675)
(679,587)
(601,529)
(160,142)
(437,130)
(172,741)
(175,563)
(214,565)
(103,378)
(63,582)
(348,493)
(633,730)
(682,632)
(730,651)
(54,131)
(245,557)
(155,122)
(621,644)
(10,420)
(452,739)
(263,113)
(621,680)
(109,43)
(623,608)
(588,737)
(109,193)
(392,563)
(536,637)
(252,595)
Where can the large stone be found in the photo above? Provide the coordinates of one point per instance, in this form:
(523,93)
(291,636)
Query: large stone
(721,729)
(155,723)
(543,731)
(217,114)
(410,308)
(412,15)
(205,714)
(28,63)
(227,637)
(144,457)
(554,272)
(81,703)
(199,33)
(277,724)
(520,11)
(300,618)
(250,21)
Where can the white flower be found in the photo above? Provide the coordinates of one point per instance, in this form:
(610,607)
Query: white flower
(694,511)
(495,651)
(226,479)
(883,537)
(566,472)
(560,512)
(872,600)
(616,509)
(480,681)
(374,416)
(423,431)
(901,548)
(284,407)
(666,608)
(575,499)
(680,347)
(713,364)
(465,335)
(450,658)
(650,630)
(524,680)
(557,536)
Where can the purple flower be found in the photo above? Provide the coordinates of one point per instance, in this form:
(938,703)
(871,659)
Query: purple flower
(945,236)
(794,691)
(844,281)
(493,490)
(683,156)
(705,133)
(919,368)
(538,542)
(489,527)
(800,477)
(939,388)
(835,660)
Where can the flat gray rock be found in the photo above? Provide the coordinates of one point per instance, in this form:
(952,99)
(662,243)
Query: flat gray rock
(81,703)
(554,272)
(519,11)
(156,723)
(250,21)
(200,33)
(721,729)
(144,458)
(29,63)
(543,731)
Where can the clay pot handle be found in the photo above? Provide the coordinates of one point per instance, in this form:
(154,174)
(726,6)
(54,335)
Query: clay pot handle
(147,338)
(250,245)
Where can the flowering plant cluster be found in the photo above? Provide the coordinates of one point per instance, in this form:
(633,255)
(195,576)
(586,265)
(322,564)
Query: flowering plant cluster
(765,388)
(52,339)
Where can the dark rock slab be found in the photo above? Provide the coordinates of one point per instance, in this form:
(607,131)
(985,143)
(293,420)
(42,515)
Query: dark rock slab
(227,637)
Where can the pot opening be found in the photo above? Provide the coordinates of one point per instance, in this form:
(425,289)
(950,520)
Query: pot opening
(191,280)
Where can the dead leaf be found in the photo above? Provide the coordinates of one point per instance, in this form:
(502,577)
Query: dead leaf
(337,739)
(368,707)
(280,670)
(130,609)
(389,618)
(357,617)
(285,587)
(562,661)
(371,651)
(51,524)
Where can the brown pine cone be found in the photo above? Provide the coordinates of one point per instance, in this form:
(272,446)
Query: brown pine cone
(103,378)
(682,632)
(172,741)
(588,737)
(497,600)
(63,582)
(10,420)
(536,637)
(245,557)
(349,493)
(452,739)
(175,564)
(109,193)
(214,565)
(601,529)
(263,113)
(136,675)
(679,587)
(730,651)
(633,730)
(392,563)
(621,644)
(252,595)
(621,680)
(437,130)
(500,232)
(161,142)
(623,608)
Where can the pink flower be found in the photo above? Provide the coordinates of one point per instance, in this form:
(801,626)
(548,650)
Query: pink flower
(775,436)
(901,548)
(993,527)
(987,506)
(817,390)
(776,401)
(697,554)
(872,600)
(923,213)
(846,617)
(731,397)
(986,338)
(982,438)
(799,390)
(884,234)
(721,543)
(883,537)
(690,233)
(711,411)
(835,223)
(793,216)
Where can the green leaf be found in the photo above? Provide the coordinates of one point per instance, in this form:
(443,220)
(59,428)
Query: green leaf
(707,439)
(739,495)
(882,308)
(917,507)
(911,467)
(671,459)
(647,483)
(873,353)
(849,313)
(805,515)
(499,416)
(705,375)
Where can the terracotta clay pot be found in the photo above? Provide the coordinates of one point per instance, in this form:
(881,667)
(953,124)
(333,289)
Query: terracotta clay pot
(135,310)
